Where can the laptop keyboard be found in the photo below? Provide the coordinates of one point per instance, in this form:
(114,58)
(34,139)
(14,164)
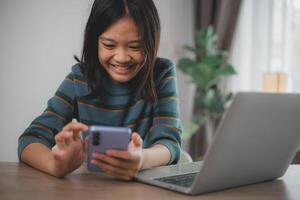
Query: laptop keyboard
(184,180)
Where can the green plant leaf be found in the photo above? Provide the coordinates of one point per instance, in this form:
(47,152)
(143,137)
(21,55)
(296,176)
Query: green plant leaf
(186,65)
(225,71)
(202,75)
(206,69)
(212,61)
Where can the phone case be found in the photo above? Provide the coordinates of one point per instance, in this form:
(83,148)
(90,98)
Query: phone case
(103,138)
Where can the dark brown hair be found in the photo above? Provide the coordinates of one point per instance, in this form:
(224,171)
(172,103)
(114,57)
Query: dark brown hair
(103,14)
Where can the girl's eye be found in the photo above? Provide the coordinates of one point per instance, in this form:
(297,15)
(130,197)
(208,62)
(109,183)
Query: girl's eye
(108,46)
(135,47)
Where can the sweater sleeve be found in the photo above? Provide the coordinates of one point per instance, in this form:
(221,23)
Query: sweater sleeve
(167,128)
(59,111)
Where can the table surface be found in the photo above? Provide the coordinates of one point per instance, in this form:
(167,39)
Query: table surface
(19,181)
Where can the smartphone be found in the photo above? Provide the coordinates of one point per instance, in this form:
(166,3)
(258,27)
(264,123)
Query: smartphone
(103,138)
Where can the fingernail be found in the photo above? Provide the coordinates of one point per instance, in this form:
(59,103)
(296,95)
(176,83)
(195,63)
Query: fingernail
(97,155)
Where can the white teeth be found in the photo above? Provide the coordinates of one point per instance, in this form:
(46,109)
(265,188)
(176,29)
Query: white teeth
(121,69)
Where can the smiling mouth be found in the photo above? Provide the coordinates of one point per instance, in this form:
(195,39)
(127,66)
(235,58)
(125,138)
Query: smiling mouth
(122,69)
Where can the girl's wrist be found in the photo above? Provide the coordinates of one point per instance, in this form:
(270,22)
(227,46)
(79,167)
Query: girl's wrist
(54,168)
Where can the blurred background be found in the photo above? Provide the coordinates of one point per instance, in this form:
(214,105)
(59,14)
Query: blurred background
(38,39)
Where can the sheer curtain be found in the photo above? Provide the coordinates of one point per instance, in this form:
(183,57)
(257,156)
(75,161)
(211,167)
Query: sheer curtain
(267,40)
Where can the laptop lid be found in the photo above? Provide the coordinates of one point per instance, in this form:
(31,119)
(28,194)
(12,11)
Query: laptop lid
(255,141)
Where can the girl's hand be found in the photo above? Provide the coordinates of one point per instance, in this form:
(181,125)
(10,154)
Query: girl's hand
(122,164)
(71,151)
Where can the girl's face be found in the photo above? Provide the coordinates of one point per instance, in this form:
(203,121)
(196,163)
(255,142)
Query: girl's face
(120,51)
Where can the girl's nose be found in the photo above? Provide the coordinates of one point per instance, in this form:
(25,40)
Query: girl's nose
(121,56)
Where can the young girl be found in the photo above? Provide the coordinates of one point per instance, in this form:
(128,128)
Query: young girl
(119,81)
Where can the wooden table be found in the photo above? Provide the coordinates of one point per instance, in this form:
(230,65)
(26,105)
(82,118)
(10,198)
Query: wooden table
(19,181)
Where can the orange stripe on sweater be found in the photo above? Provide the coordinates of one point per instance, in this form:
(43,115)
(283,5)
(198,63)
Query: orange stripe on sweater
(165,125)
(56,115)
(63,100)
(42,127)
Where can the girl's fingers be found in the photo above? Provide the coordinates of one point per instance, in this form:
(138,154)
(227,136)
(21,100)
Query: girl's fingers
(76,135)
(125,155)
(116,162)
(136,139)
(68,137)
(75,126)
(70,133)
(117,172)
(60,141)
(64,138)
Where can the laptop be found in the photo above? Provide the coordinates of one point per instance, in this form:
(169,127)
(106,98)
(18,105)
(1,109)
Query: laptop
(255,141)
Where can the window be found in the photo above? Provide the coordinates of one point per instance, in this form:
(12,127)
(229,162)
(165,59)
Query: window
(267,41)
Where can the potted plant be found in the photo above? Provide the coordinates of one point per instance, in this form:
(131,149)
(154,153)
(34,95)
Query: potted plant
(206,68)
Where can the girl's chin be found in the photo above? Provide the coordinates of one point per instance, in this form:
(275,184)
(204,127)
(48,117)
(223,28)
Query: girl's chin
(120,78)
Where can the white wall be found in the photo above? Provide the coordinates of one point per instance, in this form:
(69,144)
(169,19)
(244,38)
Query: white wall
(37,41)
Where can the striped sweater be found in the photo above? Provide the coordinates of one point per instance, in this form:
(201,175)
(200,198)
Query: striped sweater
(118,106)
